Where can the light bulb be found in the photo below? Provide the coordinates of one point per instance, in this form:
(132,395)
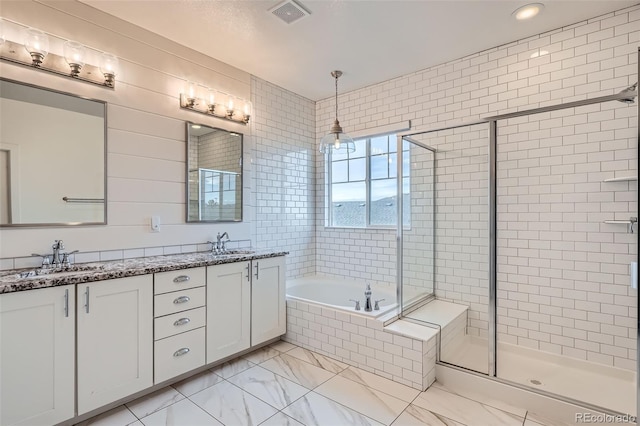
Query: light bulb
(246,112)
(189,92)
(36,43)
(74,55)
(230,107)
(212,101)
(336,144)
(109,66)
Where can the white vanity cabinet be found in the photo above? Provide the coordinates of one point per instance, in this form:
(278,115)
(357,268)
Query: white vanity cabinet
(268,300)
(115,340)
(245,305)
(37,356)
(228,309)
(179,324)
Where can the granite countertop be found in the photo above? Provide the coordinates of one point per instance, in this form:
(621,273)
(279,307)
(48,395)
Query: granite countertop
(11,280)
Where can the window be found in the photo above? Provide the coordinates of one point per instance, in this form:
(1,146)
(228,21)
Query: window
(363,184)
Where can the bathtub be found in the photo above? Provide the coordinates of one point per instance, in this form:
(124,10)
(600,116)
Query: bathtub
(335,292)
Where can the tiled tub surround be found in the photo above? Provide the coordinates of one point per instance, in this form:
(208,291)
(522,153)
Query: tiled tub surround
(10,280)
(363,342)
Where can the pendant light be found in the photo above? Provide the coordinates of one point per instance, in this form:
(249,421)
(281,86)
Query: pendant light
(337,140)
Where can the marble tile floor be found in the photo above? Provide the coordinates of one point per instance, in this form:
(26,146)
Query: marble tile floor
(283,384)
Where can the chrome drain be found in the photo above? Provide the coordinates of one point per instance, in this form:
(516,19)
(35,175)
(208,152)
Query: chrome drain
(535,382)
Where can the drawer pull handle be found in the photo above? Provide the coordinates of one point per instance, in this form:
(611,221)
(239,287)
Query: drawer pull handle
(181,352)
(182,321)
(181,279)
(181,299)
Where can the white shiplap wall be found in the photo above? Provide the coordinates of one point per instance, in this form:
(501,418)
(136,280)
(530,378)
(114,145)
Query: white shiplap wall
(146,133)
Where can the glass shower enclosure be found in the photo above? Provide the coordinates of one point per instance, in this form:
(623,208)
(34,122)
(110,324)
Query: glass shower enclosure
(520,244)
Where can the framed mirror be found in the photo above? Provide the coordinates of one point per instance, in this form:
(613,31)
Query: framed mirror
(214,174)
(52,157)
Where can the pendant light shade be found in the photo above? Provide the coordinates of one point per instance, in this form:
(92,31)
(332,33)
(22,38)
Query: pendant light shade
(336,139)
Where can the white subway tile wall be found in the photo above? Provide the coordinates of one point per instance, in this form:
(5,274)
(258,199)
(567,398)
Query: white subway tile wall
(563,274)
(585,60)
(283,132)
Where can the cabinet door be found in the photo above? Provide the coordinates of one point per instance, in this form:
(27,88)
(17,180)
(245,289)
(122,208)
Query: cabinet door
(37,356)
(115,340)
(228,309)
(268,304)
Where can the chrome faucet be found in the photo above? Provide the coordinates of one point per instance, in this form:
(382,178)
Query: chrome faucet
(57,246)
(367,294)
(55,260)
(218,247)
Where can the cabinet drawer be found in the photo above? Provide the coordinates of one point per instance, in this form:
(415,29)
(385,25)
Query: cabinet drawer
(178,354)
(177,301)
(165,282)
(180,322)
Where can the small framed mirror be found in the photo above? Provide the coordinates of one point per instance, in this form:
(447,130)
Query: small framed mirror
(214,174)
(52,157)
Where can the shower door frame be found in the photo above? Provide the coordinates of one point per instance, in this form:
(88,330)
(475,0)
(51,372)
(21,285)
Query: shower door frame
(492,199)
(400,227)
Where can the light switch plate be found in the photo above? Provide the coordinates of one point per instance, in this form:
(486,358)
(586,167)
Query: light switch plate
(155,223)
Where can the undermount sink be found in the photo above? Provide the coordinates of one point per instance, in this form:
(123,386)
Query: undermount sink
(39,272)
(238,251)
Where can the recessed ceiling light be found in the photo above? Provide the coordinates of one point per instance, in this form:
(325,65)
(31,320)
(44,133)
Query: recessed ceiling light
(527,11)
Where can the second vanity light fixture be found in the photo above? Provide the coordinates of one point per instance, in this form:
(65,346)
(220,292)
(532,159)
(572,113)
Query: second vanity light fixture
(207,100)
(72,64)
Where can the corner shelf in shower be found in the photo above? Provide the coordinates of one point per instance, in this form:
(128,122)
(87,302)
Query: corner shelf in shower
(630,223)
(622,179)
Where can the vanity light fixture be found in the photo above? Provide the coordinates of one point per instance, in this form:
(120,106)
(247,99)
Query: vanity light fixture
(336,139)
(209,101)
(527,11)
(36,43)
(74,55)
(109,66)
(71,63)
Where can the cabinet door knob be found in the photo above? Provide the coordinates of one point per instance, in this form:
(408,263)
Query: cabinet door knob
(181,352)
(181,279)
(182,321)
(181,299)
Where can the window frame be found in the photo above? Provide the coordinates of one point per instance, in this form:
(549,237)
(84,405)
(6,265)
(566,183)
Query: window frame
(367,181)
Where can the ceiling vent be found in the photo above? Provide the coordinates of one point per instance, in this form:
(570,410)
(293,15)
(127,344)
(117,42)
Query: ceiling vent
(289,11)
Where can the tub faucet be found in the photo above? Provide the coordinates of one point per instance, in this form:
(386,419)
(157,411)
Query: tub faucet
(367,294)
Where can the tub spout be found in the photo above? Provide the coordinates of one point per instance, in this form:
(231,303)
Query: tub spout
(367,294)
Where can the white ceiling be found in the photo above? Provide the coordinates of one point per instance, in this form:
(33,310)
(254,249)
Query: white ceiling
(370,41)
